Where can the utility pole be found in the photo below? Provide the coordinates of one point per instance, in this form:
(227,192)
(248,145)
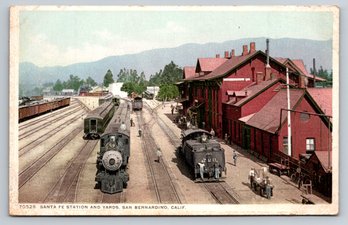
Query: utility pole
(289,113)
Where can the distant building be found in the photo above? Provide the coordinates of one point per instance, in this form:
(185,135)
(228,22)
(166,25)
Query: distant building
(115,89)
(84,90)
(48,91)
(68,92)
(151,92)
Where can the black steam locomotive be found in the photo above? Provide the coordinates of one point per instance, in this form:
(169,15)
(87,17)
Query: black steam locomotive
(112,160)
(203,154)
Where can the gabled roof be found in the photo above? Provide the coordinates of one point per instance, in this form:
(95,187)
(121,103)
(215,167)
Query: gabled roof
(229,65)
(233,63)
(246,118)
(268,118)
(300,67)
(311,76)
(189,72)
(323,157)
(209,64)
(257,89)
(323,97)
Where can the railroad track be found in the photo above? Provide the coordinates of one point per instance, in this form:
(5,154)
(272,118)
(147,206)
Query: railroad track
(113,198)
(48,123)
(162,183)
(65,188)
(221,192)
(27,148)
(26,174)
(48,115)
(172,137)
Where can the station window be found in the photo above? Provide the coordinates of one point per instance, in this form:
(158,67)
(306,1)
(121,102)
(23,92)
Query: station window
(285,145)
(304,117)
(310,145)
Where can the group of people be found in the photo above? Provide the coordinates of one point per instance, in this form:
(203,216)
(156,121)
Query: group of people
(202,170)
(265,183)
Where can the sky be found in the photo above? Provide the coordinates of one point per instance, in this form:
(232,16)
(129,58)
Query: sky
(51,37)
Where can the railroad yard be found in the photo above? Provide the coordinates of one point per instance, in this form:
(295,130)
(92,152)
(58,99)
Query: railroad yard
(56,165)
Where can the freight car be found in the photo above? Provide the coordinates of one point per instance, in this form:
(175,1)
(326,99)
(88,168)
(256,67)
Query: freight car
(36,108)
(112,159)
(137,103)
(97,120)
(203,154)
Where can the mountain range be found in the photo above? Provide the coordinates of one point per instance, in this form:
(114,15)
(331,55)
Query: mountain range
(151,61)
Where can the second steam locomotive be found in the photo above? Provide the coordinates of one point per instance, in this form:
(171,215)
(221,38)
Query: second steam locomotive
(203,154)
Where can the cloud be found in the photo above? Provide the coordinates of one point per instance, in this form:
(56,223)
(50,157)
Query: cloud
(43,52)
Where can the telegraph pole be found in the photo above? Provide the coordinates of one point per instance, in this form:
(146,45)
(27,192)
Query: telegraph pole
(289,113)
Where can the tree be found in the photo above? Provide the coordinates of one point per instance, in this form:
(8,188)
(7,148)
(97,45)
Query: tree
(58,86)
(90,82)
(108,78)
(323,73)
(74,82)
(168,91)
(170,74)
(128,87)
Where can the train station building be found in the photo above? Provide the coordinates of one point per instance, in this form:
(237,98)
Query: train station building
(244,97)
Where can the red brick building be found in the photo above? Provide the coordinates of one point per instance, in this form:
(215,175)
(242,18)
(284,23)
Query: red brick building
(235,94)
(232,74)
(266,131)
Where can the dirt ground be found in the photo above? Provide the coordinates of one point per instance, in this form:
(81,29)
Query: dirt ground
(138,190)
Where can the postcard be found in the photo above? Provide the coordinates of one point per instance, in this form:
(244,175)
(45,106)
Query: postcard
(174,110)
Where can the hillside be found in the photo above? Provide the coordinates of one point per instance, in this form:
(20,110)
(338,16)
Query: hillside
(152,61)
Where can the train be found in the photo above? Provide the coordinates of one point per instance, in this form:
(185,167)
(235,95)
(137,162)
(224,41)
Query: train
(137,103)
(203,154)
(97,120)
(30,108)
(112,160)
(107,98)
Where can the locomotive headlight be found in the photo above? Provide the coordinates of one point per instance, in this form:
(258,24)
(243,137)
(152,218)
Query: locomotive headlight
(204,138)
(112,160)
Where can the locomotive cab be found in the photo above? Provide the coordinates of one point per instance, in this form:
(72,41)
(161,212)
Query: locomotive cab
(203,154)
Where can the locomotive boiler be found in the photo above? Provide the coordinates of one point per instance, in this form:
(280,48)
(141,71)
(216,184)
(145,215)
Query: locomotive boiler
(203,154)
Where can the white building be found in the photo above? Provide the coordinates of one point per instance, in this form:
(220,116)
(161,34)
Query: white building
(68,92)
(153,90)
(115,89)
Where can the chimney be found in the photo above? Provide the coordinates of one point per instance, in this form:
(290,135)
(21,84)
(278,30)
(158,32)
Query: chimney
(226,55)
(314,72)
(302,82)
(217,55)
(268,67)
(245,50)
(233,54)
(259,77)
(252,47)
